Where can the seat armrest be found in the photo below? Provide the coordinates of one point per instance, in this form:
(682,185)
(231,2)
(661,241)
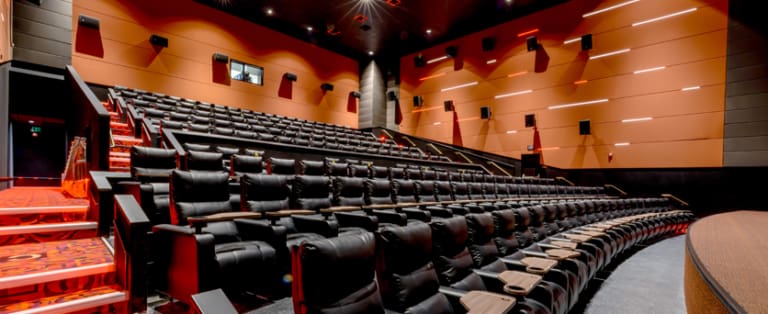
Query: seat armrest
(417,214)
(261,230)
(452,292)
(367,222)
(391,216)
(535,254)
(487,302)
(166,228)
(338,209)
(199,222)
(288,212)
(439,211)
(319,225)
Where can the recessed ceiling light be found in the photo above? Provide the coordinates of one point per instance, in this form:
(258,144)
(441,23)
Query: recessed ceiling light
(370,52)
(429,31)
(309,28)
(269,11)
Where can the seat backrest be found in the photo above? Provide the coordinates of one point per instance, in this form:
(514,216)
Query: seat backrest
(281,166)
(242,164)
(264,193)
(311,167)
(348,264)
(379,172)
(311,192)
(460,190)
(396,173)
(427,190)
(358,171)
(204,161)
(334,168)
(348,191)
(152,164)
(378,191)
(198,147)
(504,228)
(485,253)
(198,194)
(453,261)
(444,191)
(404,191)
(405,271)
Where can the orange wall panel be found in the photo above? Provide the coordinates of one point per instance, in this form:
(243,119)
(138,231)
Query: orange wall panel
(185,68)
(686,129)
(5,30)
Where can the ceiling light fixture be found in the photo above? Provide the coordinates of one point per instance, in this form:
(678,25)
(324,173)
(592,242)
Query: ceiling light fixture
(522,92)
(459,86)
(613,7)
(664,17)
(269,11)
(649,70)
(370,52)
(583,103)
(429,31)
(608,54)
(309,28)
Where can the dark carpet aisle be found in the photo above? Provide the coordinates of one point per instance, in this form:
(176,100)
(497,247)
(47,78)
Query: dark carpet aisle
(650,281)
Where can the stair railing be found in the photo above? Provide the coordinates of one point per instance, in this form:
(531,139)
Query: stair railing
(74,180)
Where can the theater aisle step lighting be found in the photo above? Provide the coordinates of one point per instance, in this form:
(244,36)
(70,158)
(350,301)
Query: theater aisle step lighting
(656,19)
(576,104)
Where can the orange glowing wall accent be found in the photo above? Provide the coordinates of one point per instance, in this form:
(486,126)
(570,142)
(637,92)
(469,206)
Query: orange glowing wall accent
(5,30)
(185,68)
(687,126)
(530,32)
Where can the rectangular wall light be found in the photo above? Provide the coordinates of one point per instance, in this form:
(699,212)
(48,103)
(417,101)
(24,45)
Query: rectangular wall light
(621,144)
(656,19)
(637,119)
(530,32)
(686,89)
(522,92)
(613,7)
(492,61)
(649,70)
(608,54)
(438,59)
(518,74)
(572,40)
(437,123)
(576,104)
(512,132)
(459,86)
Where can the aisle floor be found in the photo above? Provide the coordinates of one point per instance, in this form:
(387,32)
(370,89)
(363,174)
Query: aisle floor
(650,281)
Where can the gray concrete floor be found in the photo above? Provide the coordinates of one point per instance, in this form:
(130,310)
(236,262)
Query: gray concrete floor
(650,281)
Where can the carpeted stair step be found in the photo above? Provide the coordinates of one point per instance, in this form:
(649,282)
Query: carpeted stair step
(46,232)
(105,299)
(125,140)
(120,128)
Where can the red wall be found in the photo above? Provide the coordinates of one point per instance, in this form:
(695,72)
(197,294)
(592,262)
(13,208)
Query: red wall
(5,30)
(120,54)
(687,126)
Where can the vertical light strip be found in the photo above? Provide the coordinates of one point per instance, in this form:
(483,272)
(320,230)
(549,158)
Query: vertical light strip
(656,19)
(685,89)
(649,70)
(459,86)
(522,92)
(583,103)
(613,7)
(608,54)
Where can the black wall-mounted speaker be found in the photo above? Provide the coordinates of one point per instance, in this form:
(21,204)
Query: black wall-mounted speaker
(355,94)
(586,42)
(290,76)
(485,113)
(326,86)
(488,43)
(391,96)
(530,120)
(452,51)
(158,40)
(220,57)
(418,101)
(418,61)
(87,21)
(584,127)
(448,105)
(532,43)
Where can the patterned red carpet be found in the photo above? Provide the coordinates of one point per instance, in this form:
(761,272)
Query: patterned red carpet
(37,197)
(33,258)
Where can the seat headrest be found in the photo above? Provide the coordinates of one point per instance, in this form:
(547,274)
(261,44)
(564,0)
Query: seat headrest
(261,187)
(481,227)
(197,147)
(241,164)
(281,166)
(204,161)
(145,158)
(449,236)
(312,186)
(504,220)
(406,248)
(189,186)
(403,187)
(311,167)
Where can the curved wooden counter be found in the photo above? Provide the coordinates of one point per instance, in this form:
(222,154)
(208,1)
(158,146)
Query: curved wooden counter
(726,267)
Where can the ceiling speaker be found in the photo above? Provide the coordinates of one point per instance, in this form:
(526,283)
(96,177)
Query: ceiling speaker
(584,127)
(418,101)
(220,57)
(158,40)
(530,120)
(532,43)
(419,62)
(586,42)
(87,21)
(452,51)
(448,105)
(326,86)
(488,43)
(290,76)
(485,113)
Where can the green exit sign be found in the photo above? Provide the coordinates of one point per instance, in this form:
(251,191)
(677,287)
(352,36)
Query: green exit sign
(36,129)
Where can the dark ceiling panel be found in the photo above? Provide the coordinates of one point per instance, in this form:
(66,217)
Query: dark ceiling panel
(387,30)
